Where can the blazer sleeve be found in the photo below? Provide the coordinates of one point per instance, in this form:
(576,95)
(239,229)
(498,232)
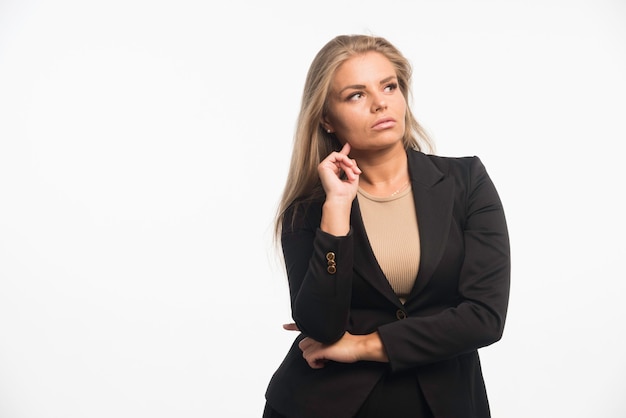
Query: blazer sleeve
(319,270)
(483,287)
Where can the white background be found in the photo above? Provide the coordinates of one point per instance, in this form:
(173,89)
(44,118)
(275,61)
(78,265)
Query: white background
(144,146)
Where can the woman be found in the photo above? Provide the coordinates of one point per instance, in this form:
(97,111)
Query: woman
(398,261)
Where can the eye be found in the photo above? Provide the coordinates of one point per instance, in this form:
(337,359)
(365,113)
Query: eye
(355,96)
(391,87)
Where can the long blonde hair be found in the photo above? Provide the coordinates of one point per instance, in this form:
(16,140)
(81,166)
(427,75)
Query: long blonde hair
(311,142)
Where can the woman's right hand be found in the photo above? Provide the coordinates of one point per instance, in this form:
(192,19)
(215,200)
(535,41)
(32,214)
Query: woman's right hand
(339,192)
(330,170)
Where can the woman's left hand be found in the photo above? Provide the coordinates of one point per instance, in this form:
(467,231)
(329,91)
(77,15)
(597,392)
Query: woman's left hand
(349,349)
(346,350)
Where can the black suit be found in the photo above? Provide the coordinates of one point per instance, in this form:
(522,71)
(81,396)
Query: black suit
(458,303)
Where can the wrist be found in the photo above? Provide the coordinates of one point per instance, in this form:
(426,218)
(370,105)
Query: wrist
(336,216)
(372,348)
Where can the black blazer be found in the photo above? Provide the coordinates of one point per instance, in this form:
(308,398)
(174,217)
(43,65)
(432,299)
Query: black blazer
(458,303)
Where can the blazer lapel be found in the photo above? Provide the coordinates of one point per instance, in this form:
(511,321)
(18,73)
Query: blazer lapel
(434,199)
(364,260)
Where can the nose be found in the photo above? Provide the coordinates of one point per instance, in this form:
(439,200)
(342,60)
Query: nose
(378,103)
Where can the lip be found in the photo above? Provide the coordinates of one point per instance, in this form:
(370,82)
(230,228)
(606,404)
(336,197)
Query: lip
(384,123)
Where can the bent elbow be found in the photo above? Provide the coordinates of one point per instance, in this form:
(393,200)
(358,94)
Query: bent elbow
(322,321)
(324,328)
(487,325)
(324,333)
(493,330)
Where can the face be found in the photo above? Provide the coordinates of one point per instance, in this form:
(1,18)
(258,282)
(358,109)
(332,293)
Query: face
(365,106)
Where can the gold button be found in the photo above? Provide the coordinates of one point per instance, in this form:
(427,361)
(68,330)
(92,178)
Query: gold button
(400,314)
(332,266)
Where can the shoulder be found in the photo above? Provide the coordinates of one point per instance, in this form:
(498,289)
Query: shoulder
(431,168)
(446,162)
(302,214)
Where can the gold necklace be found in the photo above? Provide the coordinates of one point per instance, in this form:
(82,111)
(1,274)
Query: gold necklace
(400,189)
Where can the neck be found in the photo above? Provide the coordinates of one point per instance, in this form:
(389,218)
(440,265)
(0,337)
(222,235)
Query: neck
(383,173)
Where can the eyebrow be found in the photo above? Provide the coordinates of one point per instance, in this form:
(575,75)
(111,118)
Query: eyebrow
(362,86)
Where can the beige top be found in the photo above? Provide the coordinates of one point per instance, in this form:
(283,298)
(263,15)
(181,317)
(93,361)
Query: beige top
(391,225)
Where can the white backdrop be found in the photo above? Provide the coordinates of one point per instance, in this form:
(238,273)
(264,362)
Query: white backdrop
(144,145)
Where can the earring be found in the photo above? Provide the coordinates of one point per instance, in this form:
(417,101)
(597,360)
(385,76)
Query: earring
(328,130)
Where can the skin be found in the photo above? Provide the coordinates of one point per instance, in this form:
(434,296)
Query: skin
(366,112)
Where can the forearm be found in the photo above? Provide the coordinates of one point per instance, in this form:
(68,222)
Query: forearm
(321,283)
(371,348)
(336,217)
(348,349)
(417,341)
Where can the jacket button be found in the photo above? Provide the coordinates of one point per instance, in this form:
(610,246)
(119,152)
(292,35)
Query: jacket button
(332,266)
(400,314)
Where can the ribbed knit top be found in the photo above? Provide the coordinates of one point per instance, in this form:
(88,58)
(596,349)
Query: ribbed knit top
(391,226)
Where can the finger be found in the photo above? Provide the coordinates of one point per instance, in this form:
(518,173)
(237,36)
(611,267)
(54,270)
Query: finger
(314,359)
(332,162)
(337,157)
(351,164)
(312,353)
(351,170)
(343,161)
(317,364)
(305,344)
(291,327)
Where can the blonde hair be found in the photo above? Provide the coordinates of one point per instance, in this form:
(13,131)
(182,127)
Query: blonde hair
(311,142)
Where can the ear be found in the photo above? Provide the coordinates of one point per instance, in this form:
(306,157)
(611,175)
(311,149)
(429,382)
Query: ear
(326,125)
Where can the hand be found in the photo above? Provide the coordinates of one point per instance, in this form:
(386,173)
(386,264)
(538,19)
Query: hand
(349,349)
(291,327)
(330,170)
